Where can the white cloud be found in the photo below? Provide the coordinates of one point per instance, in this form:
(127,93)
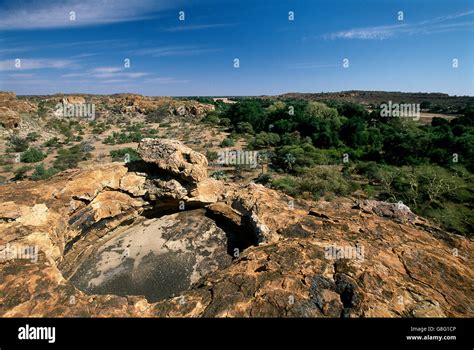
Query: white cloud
(174,51)
(21,76)
(106,70)
(166,80)
(56,14)
(107,74)
(113,81)
(312,65)
(435,25)
(27,64)
(197,27)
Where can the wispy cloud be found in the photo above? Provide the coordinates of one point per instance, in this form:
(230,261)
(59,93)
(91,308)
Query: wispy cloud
(105,70)
(166,80)
(56,14)
(174,51)
(197,27)
(431,26)
(108,74)
(9,51)
(28,64)
(312,65)
(84,55)
(21,76)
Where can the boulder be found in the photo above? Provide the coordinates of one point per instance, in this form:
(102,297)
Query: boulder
(173,157)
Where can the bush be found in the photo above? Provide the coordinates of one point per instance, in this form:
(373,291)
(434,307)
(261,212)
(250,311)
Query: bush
(296,158)
(119,154)
(263,179)
(41,173)
(287,184)
(53,142)
(264,140)
(211,156)
(18,144)
(86,147)
(157,115)
(211,118)
(20,173)
(98,128)
(218,175)
(244,128)
(315,183)
(69,158)
(226,122)
(32,155)
(32,136)
(228,142)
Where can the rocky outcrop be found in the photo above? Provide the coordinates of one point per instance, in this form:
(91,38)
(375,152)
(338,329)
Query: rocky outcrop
(171,156)
(246,251)
(71,100)
(158,257)
(10,109)
(144,105)
(9,119)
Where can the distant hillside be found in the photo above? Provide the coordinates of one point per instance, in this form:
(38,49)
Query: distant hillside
(444,101)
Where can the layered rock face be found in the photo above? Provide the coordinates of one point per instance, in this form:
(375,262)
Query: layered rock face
(159,238)
(142,104)
(10,109)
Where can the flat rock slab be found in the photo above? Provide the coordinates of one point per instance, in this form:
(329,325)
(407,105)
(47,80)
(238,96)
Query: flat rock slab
(157,258)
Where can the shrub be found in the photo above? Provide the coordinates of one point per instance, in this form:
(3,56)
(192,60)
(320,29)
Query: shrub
(53,142)
(41,173)
(20,173)
(287,184)
(119,154)
(264,140)
(211,118)
(211,156)
(157,115)
(226,122)
(32,155)
(295,158)
(316,182)
(218,175)
(86,147)
(18,144)
(244,128)
(263,179)
(98,128)
(228,142)
(69,158)
(32,136)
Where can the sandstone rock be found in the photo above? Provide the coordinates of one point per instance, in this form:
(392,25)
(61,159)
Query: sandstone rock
(315,259)
(165,189)
(144,105)
(111,203)
(73,100)
(9,119)
(206,191)
(174,250)
(174,157)
(397,211)
(7,96)
(133,184)
(10,109)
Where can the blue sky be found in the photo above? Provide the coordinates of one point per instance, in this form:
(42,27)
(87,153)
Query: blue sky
(196,56)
